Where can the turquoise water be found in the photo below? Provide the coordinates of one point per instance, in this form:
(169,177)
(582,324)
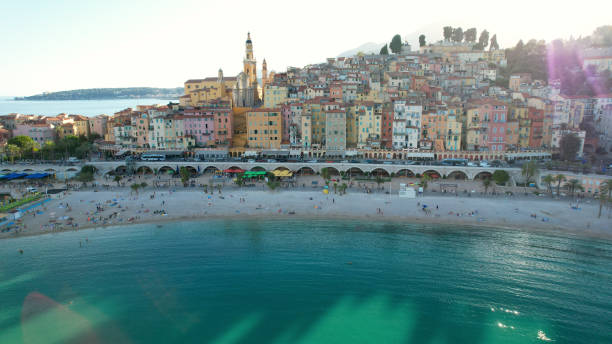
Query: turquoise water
(294,281)
(80,107)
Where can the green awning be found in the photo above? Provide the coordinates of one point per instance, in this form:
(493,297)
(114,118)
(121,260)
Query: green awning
(248,174)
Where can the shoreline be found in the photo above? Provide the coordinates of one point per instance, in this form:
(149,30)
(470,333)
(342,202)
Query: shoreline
(311,205)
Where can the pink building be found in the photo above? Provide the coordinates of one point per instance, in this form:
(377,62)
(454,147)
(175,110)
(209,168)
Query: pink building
(97,125)
(38,131)
(200,127)
(285,115)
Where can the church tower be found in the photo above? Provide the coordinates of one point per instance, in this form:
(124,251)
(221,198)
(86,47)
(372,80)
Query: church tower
(264,74)
(250,65)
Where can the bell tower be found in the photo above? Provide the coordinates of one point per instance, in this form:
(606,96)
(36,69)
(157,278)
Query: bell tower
(250,65)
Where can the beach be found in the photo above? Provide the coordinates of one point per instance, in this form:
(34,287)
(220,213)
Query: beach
(122,206)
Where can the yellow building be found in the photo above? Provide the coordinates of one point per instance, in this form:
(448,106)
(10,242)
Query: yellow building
(520,114)
(369,124)
(205,90)
(81,125)
(275,95)
(264,128)
(66,129)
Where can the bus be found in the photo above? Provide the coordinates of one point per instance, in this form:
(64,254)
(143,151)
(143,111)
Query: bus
(454,162)
(152,157)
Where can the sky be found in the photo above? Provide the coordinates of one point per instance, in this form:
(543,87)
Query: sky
(61,45)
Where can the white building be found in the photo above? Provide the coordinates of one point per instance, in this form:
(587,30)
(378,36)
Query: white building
(406,124)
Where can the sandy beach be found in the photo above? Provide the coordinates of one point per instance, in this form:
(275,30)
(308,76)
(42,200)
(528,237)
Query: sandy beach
(87,209)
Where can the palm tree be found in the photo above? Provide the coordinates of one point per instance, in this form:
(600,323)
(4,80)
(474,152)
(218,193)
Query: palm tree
(572,185)
(379,180)
(117,179)
(529,170)
(424,179)
(548,180)
(12,151)
(486,183)
(135,187)
(325,173)
(605,194)
(559,178)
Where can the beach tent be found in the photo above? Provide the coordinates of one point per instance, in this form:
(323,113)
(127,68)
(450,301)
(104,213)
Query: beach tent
(249,174)
(13,175)
(282,173)
(38,175)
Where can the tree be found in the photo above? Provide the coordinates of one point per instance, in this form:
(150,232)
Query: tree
(500,177)
(85,176)
(470,35)
(185,175)
(559,178)
(548,180)
(325,174)
(272,184)
(483,40)
(457,35)
(603,36)
(486,183)
(529,170)
(569,146)
(448,32)
(117,179)
(494,45)
(12,151)
(379,180)
(425,178)
(422,41)
(384,50)
(135,187)
(396,44)
(27,146)
(343,188)
(605,194)
(573,185)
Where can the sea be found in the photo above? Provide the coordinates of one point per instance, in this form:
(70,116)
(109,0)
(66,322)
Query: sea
(78,107)
(305,281)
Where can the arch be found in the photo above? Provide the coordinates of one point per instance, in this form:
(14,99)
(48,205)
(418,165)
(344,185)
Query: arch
(29,170)
(144,170)
(305,171)
(192,170)
(258,168)
(6,170)
(457,175)
(483,175)
(71,169)
(51,170)
(404,172)
(379,171)
(165,170)
(355,171)
(121,169)
(433,174)
(282,168)
(207,170)
(332,170)
(235,168)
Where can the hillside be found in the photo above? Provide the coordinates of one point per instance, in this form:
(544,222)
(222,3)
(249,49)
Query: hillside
(108,93)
